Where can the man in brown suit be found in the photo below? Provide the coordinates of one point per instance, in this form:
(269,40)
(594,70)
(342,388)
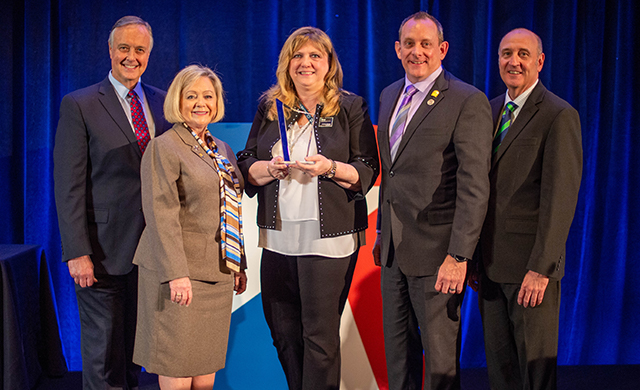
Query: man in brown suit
(535,177)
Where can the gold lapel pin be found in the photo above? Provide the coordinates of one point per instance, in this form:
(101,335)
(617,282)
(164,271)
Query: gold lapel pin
(435,93)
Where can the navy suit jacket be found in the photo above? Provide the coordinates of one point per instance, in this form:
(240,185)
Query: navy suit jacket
(97,176)
(433,196)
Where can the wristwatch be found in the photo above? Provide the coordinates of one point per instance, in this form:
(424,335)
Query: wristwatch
(331,172)
(459,259)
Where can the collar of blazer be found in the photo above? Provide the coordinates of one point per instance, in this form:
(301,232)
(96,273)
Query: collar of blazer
(430,101)
(111,104)
(186,137)
(525,115)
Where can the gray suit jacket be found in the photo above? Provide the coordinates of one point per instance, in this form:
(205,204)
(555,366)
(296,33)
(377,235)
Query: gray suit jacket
(433,196)
(97,176)
(181,203)
(535,178)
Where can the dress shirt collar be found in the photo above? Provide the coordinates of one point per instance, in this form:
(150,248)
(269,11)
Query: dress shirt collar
(425,85)
(122,91)
(520,100)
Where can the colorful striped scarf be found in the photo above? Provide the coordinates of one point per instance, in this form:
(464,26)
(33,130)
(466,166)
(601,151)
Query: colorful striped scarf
(232,240)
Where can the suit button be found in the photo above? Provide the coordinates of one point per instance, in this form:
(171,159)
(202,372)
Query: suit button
(392,173)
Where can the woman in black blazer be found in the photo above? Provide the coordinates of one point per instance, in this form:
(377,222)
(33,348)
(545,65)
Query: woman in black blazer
(312,210)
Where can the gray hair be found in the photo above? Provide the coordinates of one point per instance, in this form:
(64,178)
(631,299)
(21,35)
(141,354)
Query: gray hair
(421,15)
(128,20)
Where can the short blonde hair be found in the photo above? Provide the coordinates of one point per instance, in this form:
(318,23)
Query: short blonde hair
(285,90)
(183,80)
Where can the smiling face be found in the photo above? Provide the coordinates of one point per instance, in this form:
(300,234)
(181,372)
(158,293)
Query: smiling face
(419,49)
(129,53)
(198,104)
(520,61)
(308,68)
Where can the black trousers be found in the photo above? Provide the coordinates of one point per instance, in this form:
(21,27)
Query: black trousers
(420,325)
(303,299)
(521,344)
(108,328)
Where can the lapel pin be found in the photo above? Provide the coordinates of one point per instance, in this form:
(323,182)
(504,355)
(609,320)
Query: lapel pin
(430,102)
(435,93)
(196,150)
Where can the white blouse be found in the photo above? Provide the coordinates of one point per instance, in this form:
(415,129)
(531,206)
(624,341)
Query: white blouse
(297,230)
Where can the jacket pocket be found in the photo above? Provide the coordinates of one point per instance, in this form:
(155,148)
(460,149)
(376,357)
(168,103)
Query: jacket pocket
(440,217)
(522,226)
(525,142)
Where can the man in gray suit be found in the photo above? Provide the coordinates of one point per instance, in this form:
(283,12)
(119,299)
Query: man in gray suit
(434,135)
(535,177)
(102,133)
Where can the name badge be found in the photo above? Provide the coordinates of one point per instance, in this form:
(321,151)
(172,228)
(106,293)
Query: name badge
(325,122)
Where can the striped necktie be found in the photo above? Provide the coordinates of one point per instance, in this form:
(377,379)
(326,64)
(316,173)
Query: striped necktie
(398,126)
(505,122)
(139,121)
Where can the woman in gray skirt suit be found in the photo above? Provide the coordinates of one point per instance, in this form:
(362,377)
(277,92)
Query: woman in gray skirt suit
(191,254)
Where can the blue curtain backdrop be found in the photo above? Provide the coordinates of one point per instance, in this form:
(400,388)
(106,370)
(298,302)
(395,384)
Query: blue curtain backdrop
(51,47)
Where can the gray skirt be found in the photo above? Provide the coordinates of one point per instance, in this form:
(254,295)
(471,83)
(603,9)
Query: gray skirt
(180,341)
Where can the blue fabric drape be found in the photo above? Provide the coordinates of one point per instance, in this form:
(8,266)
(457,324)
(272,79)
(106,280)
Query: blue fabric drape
(51,47)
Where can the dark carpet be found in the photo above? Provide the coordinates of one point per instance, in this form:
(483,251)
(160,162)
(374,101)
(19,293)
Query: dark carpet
(569,378)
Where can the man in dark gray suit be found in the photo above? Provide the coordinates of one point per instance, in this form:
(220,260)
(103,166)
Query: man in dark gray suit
(102,133)
(535,177)
(434,137)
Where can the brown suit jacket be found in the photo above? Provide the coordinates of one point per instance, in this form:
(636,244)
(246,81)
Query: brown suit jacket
(535,178)
(181,204)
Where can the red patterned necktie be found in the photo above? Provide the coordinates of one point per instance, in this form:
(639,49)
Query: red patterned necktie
(139,122)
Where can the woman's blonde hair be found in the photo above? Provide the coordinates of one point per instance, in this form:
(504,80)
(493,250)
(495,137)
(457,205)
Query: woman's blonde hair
(183,80)
(285,90)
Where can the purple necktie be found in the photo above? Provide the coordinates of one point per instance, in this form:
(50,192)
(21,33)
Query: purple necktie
(139,122)
(398,126)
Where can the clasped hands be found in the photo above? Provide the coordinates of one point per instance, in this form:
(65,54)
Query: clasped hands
(279,170)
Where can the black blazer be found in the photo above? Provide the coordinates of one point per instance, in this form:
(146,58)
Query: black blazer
(350,139)
(97,176)
(433,196)
(535,178)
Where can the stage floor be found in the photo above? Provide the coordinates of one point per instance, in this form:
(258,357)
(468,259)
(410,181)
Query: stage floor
(569,378)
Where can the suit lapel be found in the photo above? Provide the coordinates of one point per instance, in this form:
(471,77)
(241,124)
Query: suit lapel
(496,107)
(386,111)
(156,103)
(528,111)
(428,104)
(111,104)
(195,147)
